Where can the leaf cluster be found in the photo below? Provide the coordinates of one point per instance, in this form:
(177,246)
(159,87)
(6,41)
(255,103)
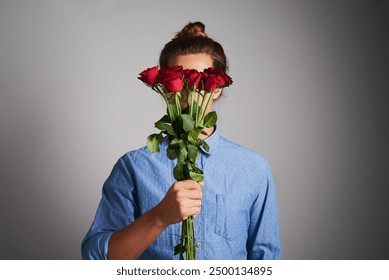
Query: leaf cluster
(184,142)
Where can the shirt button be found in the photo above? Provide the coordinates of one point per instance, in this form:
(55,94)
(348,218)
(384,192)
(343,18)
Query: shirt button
(198,245)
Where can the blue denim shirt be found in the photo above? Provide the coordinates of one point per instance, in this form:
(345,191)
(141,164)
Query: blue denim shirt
(238,219)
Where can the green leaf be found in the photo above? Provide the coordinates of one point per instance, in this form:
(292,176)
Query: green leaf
(165,119)
(195,173)
(171,153)
(182,155)
(173,150)
(187,123)
(176,143)
(164,125)
(193,135)
(198,177)
(193,152)
(204,145)
(210,119)
(178,249)
(196,169)
(153,142)
(178,172)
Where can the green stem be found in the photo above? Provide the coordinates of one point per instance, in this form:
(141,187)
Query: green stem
(187,241)
(183,227)
(206,107)
(177,102)
(191,103)
(198,107)
(188,232)
(186,237)
(171,115)
(194,240)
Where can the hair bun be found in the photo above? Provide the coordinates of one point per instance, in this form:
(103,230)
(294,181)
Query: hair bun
(192,29)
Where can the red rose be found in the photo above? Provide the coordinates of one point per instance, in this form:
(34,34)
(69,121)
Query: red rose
(171,78)
(149,76)
(227,80)
(215,78)
(192,77)
(210,82)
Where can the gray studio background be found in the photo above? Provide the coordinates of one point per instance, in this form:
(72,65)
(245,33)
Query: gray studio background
(310,94)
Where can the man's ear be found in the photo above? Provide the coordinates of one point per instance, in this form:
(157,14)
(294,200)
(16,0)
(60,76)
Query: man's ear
(216,94)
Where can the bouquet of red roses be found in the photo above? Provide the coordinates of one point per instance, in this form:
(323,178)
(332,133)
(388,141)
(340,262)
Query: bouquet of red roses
(187,94)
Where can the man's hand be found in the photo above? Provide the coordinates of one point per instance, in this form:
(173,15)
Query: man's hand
(181,201)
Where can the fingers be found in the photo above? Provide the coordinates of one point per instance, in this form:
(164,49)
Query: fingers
(190,208)
(189,190)
(190,212)
(189,196)
(181,201)
(190,203)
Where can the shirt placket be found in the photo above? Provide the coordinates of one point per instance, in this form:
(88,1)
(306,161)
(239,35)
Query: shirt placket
(200,220)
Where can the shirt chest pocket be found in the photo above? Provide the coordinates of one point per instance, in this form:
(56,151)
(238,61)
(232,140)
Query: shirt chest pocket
(232,215)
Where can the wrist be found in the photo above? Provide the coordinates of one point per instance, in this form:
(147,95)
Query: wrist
(158,218)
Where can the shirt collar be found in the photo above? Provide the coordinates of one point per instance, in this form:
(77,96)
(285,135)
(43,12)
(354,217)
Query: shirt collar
(212,141)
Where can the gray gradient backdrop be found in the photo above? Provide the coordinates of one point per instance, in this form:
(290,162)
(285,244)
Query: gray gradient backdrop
(310,94)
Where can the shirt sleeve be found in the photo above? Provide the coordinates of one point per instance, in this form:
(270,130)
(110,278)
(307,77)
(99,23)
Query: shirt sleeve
(117,209)
(264,237)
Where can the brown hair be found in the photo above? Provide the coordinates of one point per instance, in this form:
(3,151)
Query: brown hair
(192,39)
